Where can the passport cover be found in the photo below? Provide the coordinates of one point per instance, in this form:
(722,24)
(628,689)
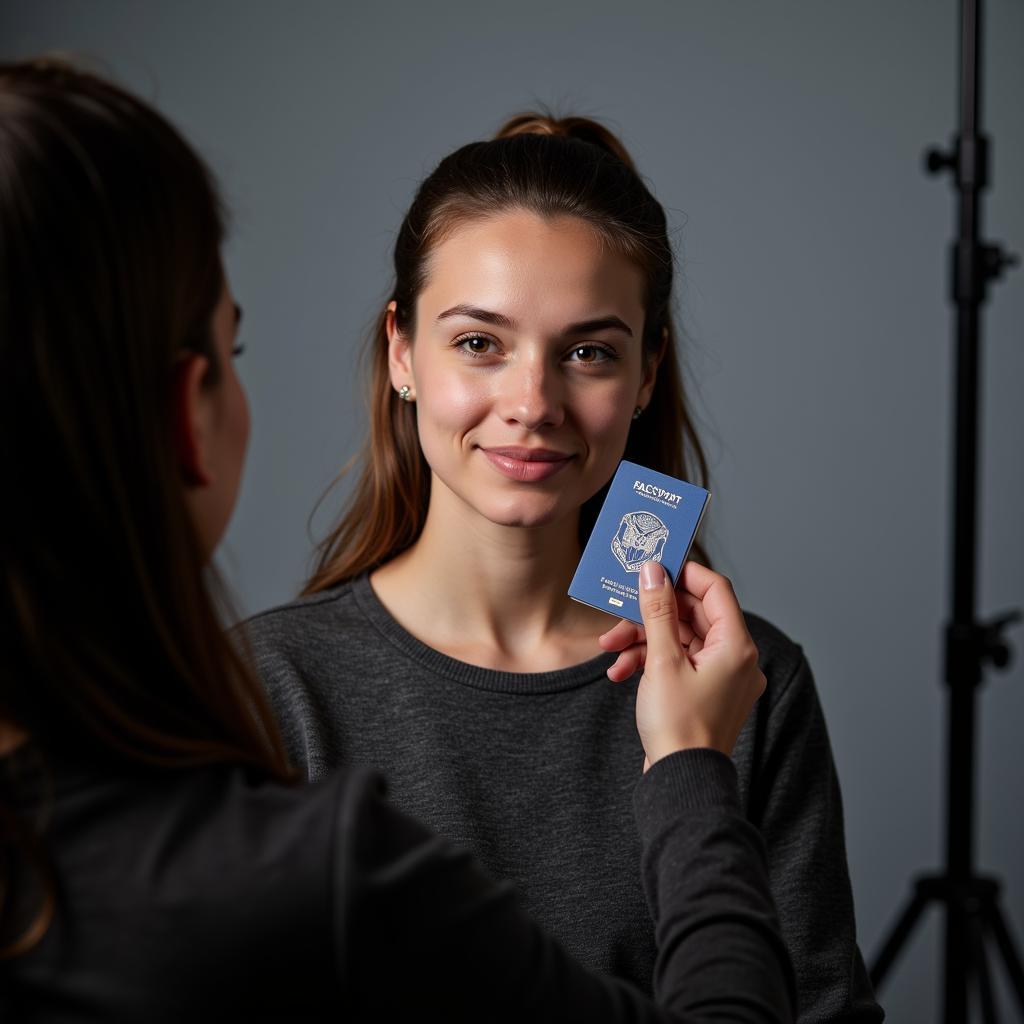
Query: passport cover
(647,516)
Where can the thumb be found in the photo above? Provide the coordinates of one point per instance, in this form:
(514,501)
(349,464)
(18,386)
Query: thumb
(660,614)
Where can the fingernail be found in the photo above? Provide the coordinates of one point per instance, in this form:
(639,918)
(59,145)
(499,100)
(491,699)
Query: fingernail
(651,575)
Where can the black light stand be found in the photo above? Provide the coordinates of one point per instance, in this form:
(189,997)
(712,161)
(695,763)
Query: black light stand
(971,901)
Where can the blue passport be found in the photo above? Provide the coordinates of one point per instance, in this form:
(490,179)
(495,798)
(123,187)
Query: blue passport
(647,516)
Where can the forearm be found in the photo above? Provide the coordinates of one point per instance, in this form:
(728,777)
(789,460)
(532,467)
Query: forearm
(706,879)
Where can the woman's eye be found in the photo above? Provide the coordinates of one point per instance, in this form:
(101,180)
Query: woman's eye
(590,354)
(475,345)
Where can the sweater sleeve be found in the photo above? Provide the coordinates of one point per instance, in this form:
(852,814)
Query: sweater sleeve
(419,927)
(796,804)
(706,882)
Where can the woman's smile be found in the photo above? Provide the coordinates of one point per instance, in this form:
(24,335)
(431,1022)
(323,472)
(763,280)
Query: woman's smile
(530,465)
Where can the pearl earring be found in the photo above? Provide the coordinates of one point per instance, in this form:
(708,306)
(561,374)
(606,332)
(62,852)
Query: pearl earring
(405,393)
(636,412)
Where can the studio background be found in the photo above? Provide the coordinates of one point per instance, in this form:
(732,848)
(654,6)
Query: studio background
(785,142)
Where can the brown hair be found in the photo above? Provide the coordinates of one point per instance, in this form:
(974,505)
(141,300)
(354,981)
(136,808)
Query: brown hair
(569,167)
(110,232)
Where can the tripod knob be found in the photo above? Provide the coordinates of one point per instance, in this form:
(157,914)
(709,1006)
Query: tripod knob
(999,654)
(997,260)
(995,648)
(936,160)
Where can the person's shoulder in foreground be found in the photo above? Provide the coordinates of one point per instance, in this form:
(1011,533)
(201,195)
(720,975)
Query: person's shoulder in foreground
(233,897)
(206,877)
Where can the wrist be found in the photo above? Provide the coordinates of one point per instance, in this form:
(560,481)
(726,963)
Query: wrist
(685,782)
(659,747)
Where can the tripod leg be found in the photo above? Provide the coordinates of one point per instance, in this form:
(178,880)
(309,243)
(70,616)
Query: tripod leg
(956,962)
(979,967)
(1010,957)
(897,937)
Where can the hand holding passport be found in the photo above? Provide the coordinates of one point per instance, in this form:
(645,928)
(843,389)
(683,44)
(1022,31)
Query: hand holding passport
(701,675)
(696,692)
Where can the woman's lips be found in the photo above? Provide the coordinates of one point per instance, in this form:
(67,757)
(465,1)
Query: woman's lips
(527,464)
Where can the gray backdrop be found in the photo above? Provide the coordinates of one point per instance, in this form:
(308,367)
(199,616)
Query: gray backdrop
(785,141)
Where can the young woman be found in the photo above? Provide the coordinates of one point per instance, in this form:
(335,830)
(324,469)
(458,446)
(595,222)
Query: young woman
(155,863)
(527,346)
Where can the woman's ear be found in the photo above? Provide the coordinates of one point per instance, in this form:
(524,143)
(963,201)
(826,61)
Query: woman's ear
(399,352)
(191,411)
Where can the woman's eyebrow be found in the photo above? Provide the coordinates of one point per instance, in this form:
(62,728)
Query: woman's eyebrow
(602,323)
(500,320)
(238,315)
(476,313)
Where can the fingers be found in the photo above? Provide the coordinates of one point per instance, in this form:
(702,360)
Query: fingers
(633,659)
(660,614)
(629,638)
(715,596)
(713,591)
(691,611)
(703,597)
(621,635)
(762,683)
(629,662)
(625,633)
(679,618)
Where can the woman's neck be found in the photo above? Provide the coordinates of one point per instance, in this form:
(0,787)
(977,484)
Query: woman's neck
(492,595)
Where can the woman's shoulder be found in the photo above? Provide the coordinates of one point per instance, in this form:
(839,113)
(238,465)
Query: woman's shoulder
(305,608)
(306,623)
(772,642)
(781,658)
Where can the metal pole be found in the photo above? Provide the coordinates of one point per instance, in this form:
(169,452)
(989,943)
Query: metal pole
(964,674)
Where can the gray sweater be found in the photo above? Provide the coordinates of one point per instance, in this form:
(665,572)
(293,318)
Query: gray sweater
(534,772)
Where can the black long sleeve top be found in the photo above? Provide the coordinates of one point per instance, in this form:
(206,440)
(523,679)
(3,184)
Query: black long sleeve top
(205,895)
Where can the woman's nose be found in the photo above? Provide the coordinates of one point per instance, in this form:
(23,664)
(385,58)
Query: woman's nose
(531,395)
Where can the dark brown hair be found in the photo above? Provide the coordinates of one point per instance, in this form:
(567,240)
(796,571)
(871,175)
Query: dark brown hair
(110,232)
(570,167)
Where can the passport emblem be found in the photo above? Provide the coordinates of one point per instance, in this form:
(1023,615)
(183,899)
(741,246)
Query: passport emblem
(640,538)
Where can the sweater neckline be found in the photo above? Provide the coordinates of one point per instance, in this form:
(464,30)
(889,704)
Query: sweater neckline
(524,683)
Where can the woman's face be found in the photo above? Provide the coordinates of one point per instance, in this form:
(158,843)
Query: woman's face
(220,416)
(526,365)
(232,422)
